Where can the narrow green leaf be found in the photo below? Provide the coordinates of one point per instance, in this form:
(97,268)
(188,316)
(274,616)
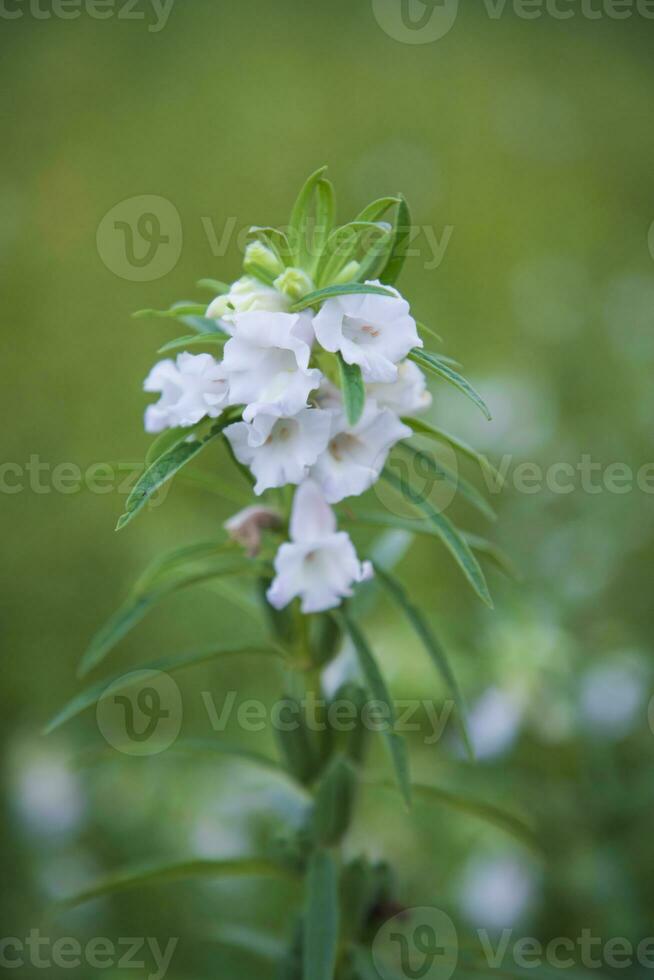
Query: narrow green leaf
(325,208)
(377,209)
(431,362)
(215,286)
(504,820)
(201,324)
(194,340)
(432,646)
(180,309)
(449,534)
(353,388)
(334,801)
(377,685)
(440,471)
(345,244)
(494,554)
(165,441)
(170,665)
(423,328)
(166,466)
(344,289)
(427,429)
(274,239)
(401,237)
(137,607)
(376,258)
(299,223)
(163,874)
(321,918)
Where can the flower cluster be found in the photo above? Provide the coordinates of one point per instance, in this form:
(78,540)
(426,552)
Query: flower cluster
(279,367)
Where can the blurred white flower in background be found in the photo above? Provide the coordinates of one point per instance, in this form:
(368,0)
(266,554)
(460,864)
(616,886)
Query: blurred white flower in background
(497,891)
(47,793)
(494,722)
(612,696)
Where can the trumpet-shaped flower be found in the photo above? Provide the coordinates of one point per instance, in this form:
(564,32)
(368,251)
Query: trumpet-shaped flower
(280,450)
(357,454)
(319,564)
(267,363)
(373,331)
(246,295)
(191,388)
(406,395)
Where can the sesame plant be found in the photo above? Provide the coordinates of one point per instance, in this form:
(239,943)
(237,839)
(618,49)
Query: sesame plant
(311,370)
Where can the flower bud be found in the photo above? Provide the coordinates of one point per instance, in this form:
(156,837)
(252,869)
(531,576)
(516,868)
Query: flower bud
(294,283)
(248,525)
(348,273)
(258,255)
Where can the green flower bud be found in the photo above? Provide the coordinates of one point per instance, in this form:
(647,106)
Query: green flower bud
(348,273)
(260,256)
(294,283)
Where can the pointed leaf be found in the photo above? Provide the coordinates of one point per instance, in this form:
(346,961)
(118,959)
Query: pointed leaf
(180,309)
(169,665)
(163,874)
(165,467)
(353,388)
(377,209)
(324,220)
(377,685)
(449,534)
(442,472)
(432,646)
(137,607)
(494,554)
(401,237)
(424,428)
(434,364)
(298,228)
(215,286)
(321,918)
(344,289)
(194,340)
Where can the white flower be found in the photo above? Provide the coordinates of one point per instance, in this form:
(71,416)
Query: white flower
(356,455)
(405,396)
(246,295)
(280,450)
(191,388)
(267,363)
(319,563)
(368,329)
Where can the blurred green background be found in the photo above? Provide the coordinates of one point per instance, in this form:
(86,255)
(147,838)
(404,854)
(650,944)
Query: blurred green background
(525,147)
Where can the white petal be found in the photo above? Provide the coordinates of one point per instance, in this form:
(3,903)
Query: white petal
(311,517)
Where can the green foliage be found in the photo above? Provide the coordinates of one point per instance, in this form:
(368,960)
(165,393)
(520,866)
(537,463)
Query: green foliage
(435,365)
(344,289)
(451,537)
(377,685)
(321,917)
(353,388)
